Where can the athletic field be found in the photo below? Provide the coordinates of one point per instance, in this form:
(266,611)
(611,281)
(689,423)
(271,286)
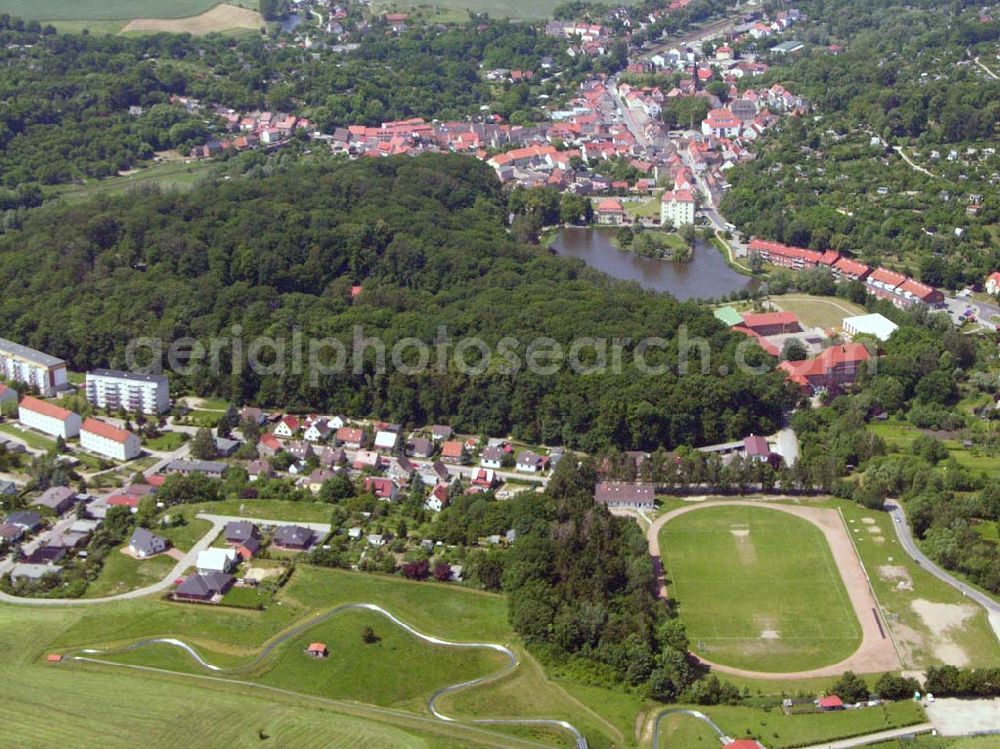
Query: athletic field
(758,589)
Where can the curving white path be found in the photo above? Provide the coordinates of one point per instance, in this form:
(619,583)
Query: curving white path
(581,742)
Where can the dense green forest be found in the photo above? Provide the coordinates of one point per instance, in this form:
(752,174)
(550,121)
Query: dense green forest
(907,78)
(426,237)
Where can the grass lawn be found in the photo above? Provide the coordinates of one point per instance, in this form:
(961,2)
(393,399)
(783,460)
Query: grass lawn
(818,311)
(70,705)
(399,670)
(679,730)
(166,442)
(198,418)
(122,573)
(29,437)
(777,730)
(758,589)
(265,509)
(183,537)
(171,175)
(644,209)
(930,621)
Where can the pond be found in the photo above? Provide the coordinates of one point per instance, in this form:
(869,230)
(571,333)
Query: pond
(706,277)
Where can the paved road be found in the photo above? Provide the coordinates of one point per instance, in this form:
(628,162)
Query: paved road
(874,738)
(876,652)
(910,547)
(509,655)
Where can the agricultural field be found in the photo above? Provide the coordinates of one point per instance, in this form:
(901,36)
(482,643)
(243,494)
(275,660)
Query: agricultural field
(817,311)
(758,589)
(223,18)
(111,10)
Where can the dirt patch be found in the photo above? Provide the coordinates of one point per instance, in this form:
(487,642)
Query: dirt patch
(770,634)
(896,574)
(954,717)
(175,554)
(745,549)
(219,18)
(262,573)
(868,521)
(941,619)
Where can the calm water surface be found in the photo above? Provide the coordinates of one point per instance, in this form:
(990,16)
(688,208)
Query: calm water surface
(706,276)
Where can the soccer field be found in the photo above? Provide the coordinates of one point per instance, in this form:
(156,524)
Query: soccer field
(758,589)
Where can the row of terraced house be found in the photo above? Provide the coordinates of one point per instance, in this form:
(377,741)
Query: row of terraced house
(903,291)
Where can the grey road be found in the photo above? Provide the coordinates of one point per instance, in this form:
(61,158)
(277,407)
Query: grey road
(910,547)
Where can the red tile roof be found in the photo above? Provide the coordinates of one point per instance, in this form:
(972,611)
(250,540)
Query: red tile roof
(831,701)
(44,408)
(452,449)
(106,431)
(851,267)
(762,319)
(776,248)
(829,257)
(609,206)
(888,277)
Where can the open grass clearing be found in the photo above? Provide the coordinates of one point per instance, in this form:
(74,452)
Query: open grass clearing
(71,706)
(222,18)
(122,573)
(680,730)
(758,589)
(166,442)
(167,175)
(28,436)
(818,311)
(265,509)
(899,435)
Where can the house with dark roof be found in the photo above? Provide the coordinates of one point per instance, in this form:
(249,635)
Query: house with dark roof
(145,544)
(238,531)
(10,533)
(8,487)
(204,587)
(419,447)
(211,468)
(441,432)
(46,555)
(56,498)
(29,520)
(248,549)
(625,495)
(293,537)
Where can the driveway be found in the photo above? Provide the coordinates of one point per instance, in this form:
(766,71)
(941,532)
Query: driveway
(876,653)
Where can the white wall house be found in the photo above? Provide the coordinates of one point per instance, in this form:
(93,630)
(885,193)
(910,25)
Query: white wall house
(677,208)
(108,441)
(149,394)
(23,364)
(48,418)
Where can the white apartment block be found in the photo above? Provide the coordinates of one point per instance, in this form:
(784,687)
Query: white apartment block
(149,394)
(23,364)
(677,208)
(109,441)
(48,418)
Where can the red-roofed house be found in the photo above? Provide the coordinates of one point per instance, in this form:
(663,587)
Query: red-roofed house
(722,124)
(351,437)
(850,270)
(123,500)
(744,744)
(771,323)
(287,427)
(268,446)
(761,341)
(610,211)
(830,702)
(784,255)
(834,368)
(109,441)
(438,498)
(828,258)
(383,488)
(48,417)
